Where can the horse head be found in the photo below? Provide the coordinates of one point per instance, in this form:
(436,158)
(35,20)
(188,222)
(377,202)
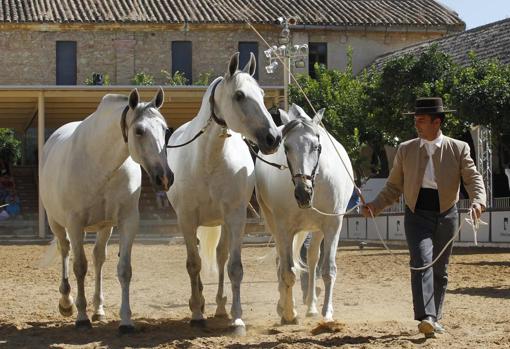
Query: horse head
(146,133)
(239,102)
(303,149)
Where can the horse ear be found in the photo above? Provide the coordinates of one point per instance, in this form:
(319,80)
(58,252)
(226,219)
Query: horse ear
(318,117)
(159,98)
(134,98)
(234,64)
(284,116)
(251,66)
(294,111)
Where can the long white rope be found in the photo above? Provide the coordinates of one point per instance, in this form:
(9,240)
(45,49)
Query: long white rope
(473,221)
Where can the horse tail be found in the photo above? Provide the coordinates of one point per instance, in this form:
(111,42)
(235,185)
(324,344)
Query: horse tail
(297,243)
(50,255)
(209,238)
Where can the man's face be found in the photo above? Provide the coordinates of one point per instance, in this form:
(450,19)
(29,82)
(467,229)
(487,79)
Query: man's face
(426,127)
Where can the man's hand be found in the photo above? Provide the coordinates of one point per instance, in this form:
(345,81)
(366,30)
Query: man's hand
(366,209)
(476,210)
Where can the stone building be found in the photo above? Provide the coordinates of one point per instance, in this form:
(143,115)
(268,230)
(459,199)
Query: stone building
(63,42)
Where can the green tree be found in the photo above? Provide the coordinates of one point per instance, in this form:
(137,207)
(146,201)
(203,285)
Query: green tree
(10,146)
(481,93)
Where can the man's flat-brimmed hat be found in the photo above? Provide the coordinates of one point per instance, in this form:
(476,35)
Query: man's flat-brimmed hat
(429,106)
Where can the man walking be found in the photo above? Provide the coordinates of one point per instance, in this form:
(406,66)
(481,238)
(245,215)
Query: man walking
(428,170)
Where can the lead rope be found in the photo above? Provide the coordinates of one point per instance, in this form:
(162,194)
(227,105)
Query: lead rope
(474,222)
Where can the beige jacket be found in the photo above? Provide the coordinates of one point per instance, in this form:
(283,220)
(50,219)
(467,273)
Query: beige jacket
(451,162)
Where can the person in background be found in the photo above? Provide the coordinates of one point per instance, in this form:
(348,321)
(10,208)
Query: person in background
(428,171)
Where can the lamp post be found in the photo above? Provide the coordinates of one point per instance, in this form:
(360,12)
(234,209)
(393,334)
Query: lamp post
(286,53)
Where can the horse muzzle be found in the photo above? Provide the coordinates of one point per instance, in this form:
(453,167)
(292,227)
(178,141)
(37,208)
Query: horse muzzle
(268,142)
(303,194)
(162,180)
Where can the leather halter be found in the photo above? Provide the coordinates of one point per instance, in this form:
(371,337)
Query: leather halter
(123,125)
(216,119)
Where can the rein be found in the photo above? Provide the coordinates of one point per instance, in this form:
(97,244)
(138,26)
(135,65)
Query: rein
(213,116)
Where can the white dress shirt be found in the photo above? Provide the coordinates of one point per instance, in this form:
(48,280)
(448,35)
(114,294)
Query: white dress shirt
(429,178)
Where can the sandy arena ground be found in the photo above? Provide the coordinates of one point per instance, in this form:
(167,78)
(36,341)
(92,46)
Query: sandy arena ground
(372,303)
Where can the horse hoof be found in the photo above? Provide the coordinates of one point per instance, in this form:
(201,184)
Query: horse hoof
(65,311)
(221,315)
(239,331)
(312,313)
(198,323)
(83,324)
(126,329)
(290,322)
(98,318)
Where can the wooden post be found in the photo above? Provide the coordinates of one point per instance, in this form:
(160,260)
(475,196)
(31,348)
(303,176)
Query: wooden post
(40,144)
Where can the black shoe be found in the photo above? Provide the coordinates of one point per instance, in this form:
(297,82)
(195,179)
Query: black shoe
(426,326)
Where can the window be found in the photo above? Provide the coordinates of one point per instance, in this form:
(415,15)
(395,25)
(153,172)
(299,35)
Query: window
(245,47)
(318,53)
(66,63)
(181,59)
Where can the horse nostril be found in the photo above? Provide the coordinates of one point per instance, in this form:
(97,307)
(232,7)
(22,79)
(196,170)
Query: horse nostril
(270,140)
(158,180)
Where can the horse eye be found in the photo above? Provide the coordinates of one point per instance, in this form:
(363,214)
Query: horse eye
(239,96)
(139,131)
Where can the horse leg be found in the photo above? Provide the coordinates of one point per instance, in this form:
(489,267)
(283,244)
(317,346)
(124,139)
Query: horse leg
(313,258)
(221,258)
(76,235)
(286,278)
(329,271)
(65,304)
(128,227)
(235,222)
(99,257)
(193,265)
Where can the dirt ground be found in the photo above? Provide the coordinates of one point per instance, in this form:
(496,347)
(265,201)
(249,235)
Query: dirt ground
(372,303)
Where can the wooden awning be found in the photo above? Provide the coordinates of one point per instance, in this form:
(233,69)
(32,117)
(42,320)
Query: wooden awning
(63,104)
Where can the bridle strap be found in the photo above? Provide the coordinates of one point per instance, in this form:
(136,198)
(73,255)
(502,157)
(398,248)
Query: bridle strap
(280,167)
(123,125)
(310,177)
(216,119)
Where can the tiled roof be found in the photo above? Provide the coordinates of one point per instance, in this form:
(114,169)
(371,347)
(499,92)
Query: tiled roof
(488,41)
(310,12)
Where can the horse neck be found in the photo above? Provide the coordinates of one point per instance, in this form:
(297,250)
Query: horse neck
(102,140)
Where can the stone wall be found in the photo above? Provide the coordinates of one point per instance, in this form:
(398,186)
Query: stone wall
(27,57)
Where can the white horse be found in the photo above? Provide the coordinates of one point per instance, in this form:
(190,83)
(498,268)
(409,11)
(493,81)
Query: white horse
(317,176)
(90,180)
(214,180)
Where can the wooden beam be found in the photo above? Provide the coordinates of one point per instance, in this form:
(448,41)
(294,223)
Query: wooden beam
(40,144)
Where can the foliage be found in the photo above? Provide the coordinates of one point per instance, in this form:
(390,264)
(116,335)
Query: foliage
(482,95)
(90,80)
(367,108)
(10,146)
(178,79)
(143,79)
(204,79)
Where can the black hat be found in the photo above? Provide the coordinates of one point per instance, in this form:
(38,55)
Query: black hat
(430,106)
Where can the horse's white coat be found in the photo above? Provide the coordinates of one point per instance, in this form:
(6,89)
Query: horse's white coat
(90,181)
(278,198)
(214,180)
